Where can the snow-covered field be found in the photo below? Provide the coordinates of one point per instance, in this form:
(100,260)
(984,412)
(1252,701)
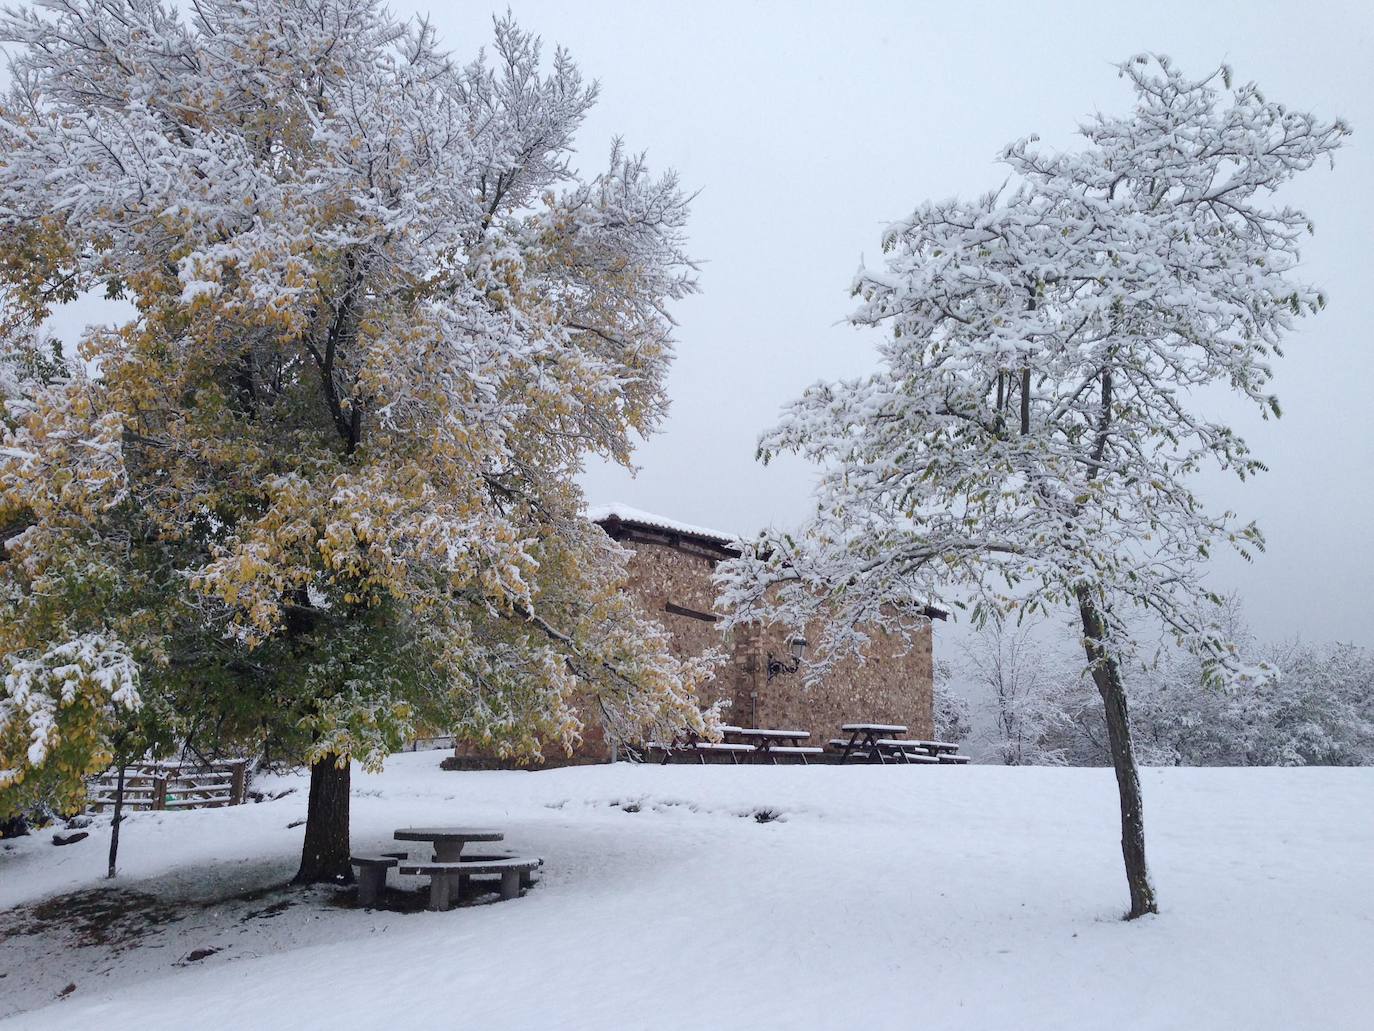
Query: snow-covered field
(890,897)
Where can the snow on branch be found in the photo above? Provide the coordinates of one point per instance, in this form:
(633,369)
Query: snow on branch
(1030,437)
(90,672)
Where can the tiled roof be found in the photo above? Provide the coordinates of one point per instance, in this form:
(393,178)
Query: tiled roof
(617,512)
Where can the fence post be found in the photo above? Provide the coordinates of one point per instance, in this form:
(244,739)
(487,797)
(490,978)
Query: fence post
(159,792)
(239,785)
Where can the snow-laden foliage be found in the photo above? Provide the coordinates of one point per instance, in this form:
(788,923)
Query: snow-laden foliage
(1319,712)
(1024,694)
(382,321)
(951,712)
(54,712)
(1030,438)
(1039,409)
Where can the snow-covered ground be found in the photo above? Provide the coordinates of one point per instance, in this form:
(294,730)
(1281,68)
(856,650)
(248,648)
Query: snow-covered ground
(974,897)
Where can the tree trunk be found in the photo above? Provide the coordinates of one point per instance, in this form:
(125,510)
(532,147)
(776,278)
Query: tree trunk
(1107,676)
(116,819)
(324,857)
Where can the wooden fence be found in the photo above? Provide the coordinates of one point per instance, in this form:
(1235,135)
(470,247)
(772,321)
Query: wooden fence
(427,744)
(172,785)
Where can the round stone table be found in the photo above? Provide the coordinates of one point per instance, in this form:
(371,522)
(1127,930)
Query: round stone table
(448,841)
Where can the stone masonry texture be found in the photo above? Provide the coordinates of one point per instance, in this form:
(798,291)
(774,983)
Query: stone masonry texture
(670,576)
(893,685)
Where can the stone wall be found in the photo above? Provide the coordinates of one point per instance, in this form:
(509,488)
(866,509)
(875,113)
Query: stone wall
(889,687)
(892,685)
(671,577)
(663,576)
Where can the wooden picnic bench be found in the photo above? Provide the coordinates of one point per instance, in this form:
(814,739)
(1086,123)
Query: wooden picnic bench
(937,747)
(733,749)
(863,741)
(954,759)
(942,751)
(689,743)
(770,744)
(904,750)
(875,742)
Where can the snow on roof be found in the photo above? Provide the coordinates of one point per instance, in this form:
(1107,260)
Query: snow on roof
(626,514)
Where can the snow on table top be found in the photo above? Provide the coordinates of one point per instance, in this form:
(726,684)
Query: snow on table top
(904,742)
(887,728)
(449,834)
(626,514)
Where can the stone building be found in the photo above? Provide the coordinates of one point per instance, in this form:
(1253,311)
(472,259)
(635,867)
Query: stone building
(670,572)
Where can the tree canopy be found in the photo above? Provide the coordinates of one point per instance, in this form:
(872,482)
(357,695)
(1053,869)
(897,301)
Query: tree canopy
(1030,439)
(319,489)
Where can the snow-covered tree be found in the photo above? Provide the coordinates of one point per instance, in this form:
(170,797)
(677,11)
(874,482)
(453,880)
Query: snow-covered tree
(1318,712)
(1179,716)
(951,713)
(321,487)
(1025,693)
(1041,403)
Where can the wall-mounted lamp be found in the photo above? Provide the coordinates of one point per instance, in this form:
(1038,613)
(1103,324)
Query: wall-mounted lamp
(797,647)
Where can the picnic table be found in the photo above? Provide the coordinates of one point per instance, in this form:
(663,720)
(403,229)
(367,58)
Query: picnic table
(864,740)
(448,841)
(733,749)
(945,752)
(904,750)
(449,872)
(770,744)
(874,742)
(690,742)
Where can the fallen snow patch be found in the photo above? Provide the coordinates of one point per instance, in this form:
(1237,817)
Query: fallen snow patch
(677,896)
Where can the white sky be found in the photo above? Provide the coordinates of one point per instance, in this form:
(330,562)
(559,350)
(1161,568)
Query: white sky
(808,127)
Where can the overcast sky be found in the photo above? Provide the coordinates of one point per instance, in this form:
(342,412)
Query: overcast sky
(807,128)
